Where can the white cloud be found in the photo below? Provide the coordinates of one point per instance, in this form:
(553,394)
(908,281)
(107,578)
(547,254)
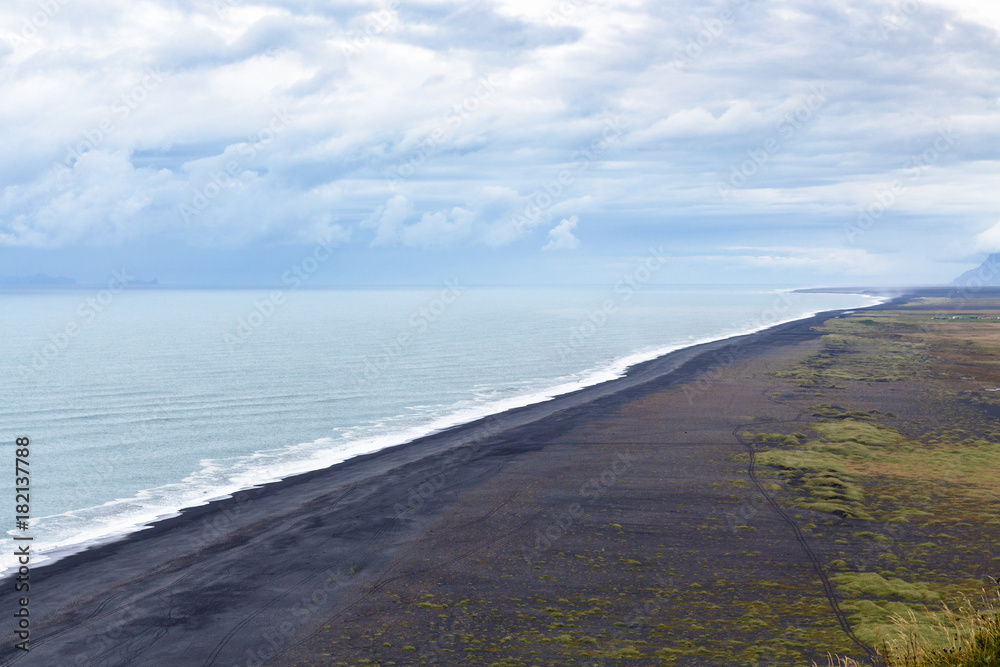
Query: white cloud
(561,236)
(492,217)
(97,202)
(983,13)
(989,240)
(823,260)
(438,229)
(392,101)
(389,219)
(740,117)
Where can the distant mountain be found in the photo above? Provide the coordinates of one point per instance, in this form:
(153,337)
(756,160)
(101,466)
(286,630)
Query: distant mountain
(35,280)
(987,273)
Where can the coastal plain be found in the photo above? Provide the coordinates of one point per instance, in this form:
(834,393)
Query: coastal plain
(765,500)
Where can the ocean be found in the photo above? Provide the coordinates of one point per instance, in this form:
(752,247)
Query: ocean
(141,402)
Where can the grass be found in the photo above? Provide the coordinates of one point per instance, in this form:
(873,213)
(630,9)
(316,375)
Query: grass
(875,585)
(822,469)
(937,465)
(967,636)
(908,508)
(863,433)
(852,355)
(933,465)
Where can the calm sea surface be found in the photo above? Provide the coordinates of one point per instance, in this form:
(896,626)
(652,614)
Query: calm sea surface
(143,402)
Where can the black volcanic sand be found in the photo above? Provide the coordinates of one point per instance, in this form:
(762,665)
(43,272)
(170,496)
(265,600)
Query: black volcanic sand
(615,525)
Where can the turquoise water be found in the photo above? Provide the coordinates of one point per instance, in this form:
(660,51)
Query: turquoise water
(142,402)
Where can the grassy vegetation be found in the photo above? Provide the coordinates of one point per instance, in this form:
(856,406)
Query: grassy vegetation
(879,347)
(887,461)
(930,472)
(860,358)
(967,636)
(839,471)
(824,470)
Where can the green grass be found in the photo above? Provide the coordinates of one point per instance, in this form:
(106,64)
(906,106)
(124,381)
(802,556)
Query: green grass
(938,470)
(875,585)
(859,358)
(819,469)
(967,636)
(862,433)
(803,460)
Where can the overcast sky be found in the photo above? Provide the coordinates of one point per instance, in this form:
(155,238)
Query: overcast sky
(505,141)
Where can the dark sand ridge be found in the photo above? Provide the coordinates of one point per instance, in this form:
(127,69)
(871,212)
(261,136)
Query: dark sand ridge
(616,474)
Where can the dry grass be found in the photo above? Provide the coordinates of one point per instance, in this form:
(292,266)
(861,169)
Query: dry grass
(967,636)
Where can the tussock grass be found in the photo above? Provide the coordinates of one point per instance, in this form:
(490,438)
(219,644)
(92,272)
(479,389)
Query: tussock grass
(821,469)
(966,636)
(879,348)
(875,585)
(863,433)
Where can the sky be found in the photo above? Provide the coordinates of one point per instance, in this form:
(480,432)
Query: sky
(228,142)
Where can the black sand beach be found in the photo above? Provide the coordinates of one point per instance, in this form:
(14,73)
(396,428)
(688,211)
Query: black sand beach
(600,498)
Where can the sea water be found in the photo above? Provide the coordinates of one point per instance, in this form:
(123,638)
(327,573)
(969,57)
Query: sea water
(139,403)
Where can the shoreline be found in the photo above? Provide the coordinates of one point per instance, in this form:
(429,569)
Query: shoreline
(79,587)
(611,371)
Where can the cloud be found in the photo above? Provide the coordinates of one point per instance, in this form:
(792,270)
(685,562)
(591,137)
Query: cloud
(438,229)
(741,117)
(98,201)
(489,218)
(989,240)
(367,96)
(561,236)
(821,260)
(389,219)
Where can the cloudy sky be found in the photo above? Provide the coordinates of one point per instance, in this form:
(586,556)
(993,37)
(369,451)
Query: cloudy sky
(499,141)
